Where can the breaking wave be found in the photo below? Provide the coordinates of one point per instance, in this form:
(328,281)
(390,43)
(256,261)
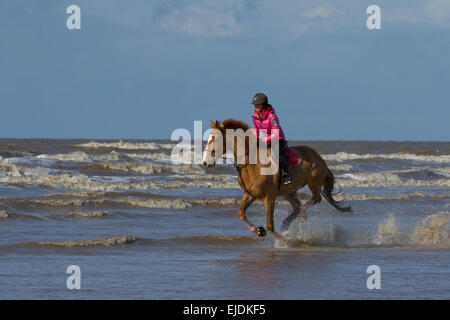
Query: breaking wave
(12,170)
(340,167)
(124,240)
(133,202)
(145,168)
(189,176)
(14,215)
(20,175)
(384,178)
(127,145)
(85,214)
(108,200)
(79,156)
(431,230)
(159,157)
(344,156)
(108,242)
(413,195)
(3,214)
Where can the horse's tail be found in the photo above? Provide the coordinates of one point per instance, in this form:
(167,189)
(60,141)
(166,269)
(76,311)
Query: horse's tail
(327,189)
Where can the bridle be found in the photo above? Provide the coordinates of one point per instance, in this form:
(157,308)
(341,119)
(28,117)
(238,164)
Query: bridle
(236,161)
(240,166)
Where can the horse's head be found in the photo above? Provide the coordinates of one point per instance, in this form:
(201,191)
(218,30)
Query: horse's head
(214,144)
(217,146)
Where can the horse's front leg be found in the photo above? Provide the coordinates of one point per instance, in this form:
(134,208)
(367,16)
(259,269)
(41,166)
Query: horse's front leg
(247,200)
(269,205)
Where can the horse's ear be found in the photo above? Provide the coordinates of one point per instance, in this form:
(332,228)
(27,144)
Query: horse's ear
(212,124)
(219,125)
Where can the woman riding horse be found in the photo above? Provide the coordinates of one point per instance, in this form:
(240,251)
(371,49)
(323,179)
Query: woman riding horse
(312,171)
(265,120)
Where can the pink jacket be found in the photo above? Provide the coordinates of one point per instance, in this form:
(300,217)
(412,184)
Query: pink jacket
(267,123)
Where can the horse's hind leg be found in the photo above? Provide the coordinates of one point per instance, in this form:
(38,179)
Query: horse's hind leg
(296,205)
(314,186)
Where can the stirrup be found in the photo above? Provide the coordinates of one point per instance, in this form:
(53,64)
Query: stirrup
(286,178)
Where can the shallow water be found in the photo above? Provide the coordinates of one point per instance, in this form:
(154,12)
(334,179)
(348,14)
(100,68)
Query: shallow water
(139,226)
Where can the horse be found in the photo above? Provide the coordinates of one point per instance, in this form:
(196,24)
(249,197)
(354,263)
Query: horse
(312,171)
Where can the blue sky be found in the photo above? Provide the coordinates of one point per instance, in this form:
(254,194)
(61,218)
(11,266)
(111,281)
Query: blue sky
(140,69)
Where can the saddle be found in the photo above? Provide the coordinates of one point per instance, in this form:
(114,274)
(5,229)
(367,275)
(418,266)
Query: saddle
(293,157)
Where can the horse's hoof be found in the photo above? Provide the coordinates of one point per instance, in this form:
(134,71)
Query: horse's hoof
(261,232)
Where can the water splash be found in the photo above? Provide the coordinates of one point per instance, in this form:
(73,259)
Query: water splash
(433,229)
(388,234)
(314,234)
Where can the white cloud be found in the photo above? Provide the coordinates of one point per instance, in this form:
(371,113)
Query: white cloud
(281,20)
(434,12)
(215,18)
(323,11)
(438,10)
(120,12)
(201,21)
(300,29)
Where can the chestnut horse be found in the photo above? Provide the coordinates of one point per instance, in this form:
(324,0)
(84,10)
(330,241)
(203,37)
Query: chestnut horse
(312,171)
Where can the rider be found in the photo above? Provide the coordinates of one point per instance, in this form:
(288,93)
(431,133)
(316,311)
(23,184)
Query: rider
(265,118)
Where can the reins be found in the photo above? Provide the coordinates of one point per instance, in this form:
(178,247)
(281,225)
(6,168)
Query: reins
(240,166)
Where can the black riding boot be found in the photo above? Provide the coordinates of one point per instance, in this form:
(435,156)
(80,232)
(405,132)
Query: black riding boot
(286,177)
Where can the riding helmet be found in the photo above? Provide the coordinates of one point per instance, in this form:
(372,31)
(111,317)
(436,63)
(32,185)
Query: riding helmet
(260,98)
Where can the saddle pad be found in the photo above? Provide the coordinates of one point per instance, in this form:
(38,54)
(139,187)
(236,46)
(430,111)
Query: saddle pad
(294,157)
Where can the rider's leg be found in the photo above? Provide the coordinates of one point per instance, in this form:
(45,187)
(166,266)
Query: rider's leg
(284,163)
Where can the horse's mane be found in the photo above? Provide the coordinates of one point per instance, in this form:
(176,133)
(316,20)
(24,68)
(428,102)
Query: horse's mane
(235,124)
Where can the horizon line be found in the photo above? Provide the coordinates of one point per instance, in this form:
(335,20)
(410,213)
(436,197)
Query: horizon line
(168,139)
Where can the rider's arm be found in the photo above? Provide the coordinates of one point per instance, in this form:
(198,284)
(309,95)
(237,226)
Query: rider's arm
(256,129)
(274,127)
